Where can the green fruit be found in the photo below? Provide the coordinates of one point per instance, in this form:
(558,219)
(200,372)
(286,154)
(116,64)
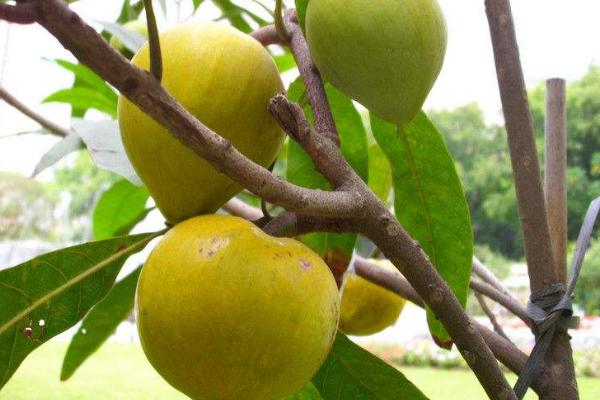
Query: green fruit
(366,307)
(137,26)
(226,312)
(223,77)
(385,54)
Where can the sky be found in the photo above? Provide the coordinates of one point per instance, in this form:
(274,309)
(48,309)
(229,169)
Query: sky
(557,38)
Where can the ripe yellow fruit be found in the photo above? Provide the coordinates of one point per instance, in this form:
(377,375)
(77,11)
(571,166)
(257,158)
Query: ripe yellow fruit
(226,312)
(366,307)
(138,26)
(385,54)
(223,77)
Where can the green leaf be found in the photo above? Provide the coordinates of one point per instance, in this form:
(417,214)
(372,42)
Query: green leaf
(301,11)
(130,11)
(120,206)
(429,202)
(335,249)
(197,4)
(100,323)
(380,173)
(233,13)
(88,78)
(351,372)
(50,293)
(308,392)
(285,61)
(83,97)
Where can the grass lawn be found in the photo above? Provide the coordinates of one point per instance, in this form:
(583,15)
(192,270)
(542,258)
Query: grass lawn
(120,371)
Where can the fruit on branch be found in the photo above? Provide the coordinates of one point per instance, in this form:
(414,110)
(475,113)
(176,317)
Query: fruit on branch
(366,307)
(137,26)
(227,312)
(225,78)
(386,54)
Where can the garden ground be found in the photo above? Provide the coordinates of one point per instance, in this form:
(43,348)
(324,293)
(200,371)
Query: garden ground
(120,371)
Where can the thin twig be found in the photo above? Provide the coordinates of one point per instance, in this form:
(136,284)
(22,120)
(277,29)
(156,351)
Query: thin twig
(490,315)
(315,89)
(490,278)
(268,35)
(555,184)
(504,300)
(46,123)
(279,25)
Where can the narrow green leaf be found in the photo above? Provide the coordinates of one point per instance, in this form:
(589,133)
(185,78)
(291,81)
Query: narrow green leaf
(83,97)
(88,78)
(233,13)
(308,392)
(351,372)
(118,207)
(380,173)
(335,249)
(102,320)
(130,11)
(430,202)
(196,4)
(301,11)
(50,293)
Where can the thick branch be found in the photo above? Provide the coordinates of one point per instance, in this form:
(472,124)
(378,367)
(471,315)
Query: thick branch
(521,140)
(384,230)
(555,184)
(311,76)
(507,301)
(558,363)
(49,125)
(146,92)
(19,14)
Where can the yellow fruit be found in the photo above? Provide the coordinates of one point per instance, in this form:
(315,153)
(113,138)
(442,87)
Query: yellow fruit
(385,54)
(223,77)
(226,312)
(366,307)
(138,26)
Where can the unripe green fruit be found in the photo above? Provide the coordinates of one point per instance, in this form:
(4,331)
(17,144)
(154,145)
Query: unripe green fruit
(224,78)
(226,312)
(385,54)
(138,26)
(366,307)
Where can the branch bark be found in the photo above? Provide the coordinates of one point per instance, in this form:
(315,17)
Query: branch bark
(19,14)
(558,364)
(311,76)
(46,123)
(146,92)
(488,277)
(356,203)
(268,35)
(555,184)
(507,301)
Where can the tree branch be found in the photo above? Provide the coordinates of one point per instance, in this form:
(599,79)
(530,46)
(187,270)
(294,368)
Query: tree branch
(146,92)
(488,277)
(497,328)
(49,125)
(311,76)
(507,301)
(558,363)
(19,14)
(521,140)
(555,183)
(359,204)
(268,35)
